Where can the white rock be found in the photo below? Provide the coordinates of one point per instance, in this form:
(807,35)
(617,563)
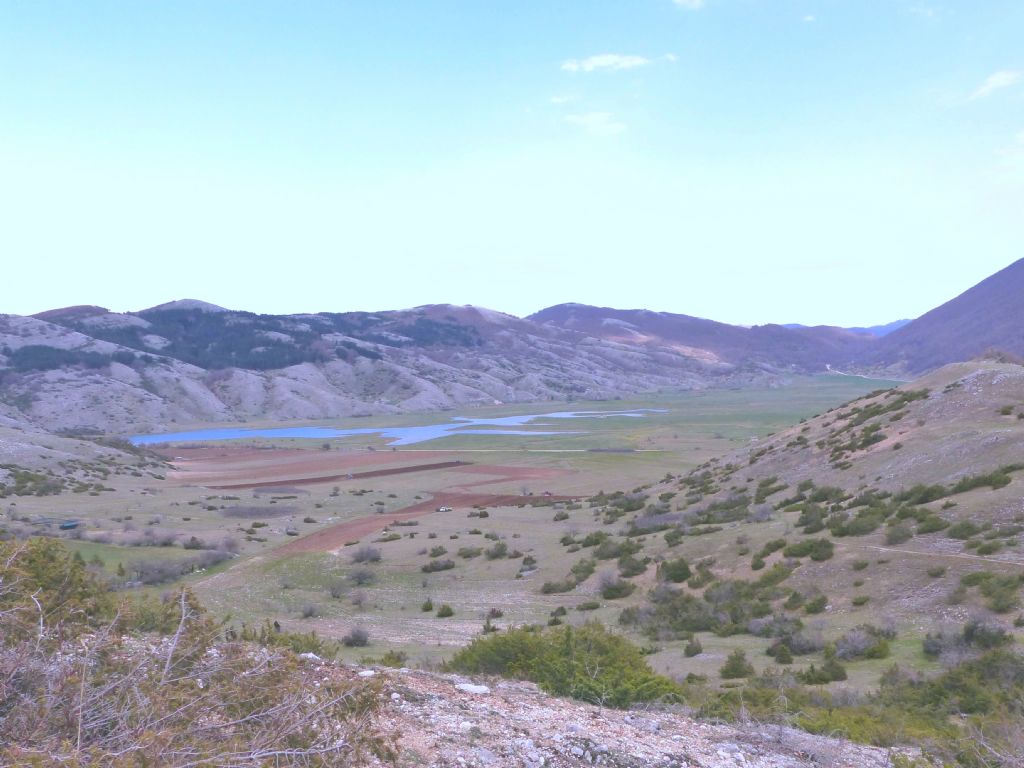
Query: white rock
(367,673)
(471,688)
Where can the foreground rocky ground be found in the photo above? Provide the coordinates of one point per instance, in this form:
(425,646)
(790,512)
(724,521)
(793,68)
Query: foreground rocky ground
(444,720)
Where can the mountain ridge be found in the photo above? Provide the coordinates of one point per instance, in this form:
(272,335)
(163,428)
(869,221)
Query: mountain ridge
(189,361)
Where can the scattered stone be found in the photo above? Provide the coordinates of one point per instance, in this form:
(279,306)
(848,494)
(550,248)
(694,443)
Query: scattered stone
(471,688)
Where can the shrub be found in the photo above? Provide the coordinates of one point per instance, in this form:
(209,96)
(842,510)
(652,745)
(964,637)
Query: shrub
(589,663)
(863,642)
(445,611)
(366,554)
(818,549)
(438,551)
(428,605)
(616,588)
(438,565)
(362,577)
(829,672)
(498,551)
(693,648)
(783,655)
(356,638)
(630,566)
(394,659)
(675,571)
(937,571)
(985,635)
(816,605)
(963,530)
(931,524)
(736,666)
(898,534)
(557,587)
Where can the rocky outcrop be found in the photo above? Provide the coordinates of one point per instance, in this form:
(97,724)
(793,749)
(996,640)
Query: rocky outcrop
(446,721)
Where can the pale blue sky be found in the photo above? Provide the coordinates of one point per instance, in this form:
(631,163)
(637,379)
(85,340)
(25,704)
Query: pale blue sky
(815,161)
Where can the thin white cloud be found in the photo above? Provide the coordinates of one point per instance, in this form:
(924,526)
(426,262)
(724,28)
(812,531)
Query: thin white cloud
(997,81)
(690,5)
(559,100)
(808,19)
(597,123)
(611,62)
(924,11)
(671,58)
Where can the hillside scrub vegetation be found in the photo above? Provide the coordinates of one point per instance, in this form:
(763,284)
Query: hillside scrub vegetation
(88,681)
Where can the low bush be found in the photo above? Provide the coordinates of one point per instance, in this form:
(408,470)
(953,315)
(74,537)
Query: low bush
(437,565)
(589,663)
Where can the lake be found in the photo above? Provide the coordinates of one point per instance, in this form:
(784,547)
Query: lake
(501,425)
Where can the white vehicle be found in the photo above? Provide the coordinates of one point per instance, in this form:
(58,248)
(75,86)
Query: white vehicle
(444,509)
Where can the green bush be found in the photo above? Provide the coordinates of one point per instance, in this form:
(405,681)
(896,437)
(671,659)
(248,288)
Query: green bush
(783,655)
(816,605)
(615,589)
(963,530)
(676,571)
(829,672)
(445,611)
(630,566)
(898,534)
(589,663)
(736,666)
(693,648)
(817,549)
(437,565)
(931,524)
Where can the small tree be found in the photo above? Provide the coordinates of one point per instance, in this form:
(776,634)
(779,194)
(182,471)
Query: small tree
(783,655)
(736,666)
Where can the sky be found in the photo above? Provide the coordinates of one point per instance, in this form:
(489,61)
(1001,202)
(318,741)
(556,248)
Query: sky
(844,162)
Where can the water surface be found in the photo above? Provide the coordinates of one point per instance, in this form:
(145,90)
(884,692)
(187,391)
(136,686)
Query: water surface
(397,435)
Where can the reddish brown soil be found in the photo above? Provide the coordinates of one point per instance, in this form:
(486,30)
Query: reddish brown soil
(232,467)
(335,537)
(347,476)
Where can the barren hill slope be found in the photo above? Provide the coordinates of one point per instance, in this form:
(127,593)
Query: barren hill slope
(770,345)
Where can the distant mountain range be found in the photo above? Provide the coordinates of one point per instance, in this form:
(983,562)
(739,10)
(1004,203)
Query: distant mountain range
(85,368)
(873,330)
